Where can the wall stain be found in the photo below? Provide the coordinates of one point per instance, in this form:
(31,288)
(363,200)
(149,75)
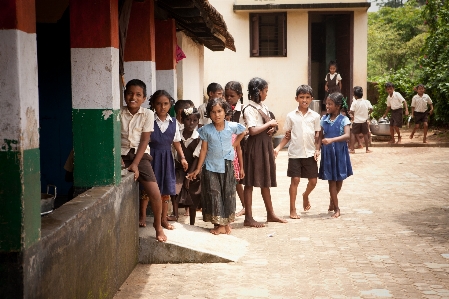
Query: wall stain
(106,114)
(9,145)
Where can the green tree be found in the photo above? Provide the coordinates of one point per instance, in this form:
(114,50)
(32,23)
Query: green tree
(435,59)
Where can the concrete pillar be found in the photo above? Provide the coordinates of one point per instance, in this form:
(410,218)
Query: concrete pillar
(140,58)
(166,56)
(19,122)
(94,41)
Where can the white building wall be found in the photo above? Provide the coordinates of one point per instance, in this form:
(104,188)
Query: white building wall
(283,74)
(360,63)
(190,70)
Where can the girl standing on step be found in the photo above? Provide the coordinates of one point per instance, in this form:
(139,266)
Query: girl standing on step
(335,165)
(217,178)
(260,168)
(166,133)
(333,80)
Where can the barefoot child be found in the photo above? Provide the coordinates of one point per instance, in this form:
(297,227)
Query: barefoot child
(166,133)
(395,101)
(360,109)
(260,168)
(234,97)
(217,178)
(303,152)
(136,127)
(335,164)
(189,192)
(419,110)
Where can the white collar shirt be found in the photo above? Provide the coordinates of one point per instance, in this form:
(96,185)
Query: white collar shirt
(195,135)
(252,116)
(361,108)
(303,129)
(395,101)
(132,127)
(420,103)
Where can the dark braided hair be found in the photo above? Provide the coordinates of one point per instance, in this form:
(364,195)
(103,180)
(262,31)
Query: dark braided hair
(255,86)
(160,93)
(237,87)
(337,98)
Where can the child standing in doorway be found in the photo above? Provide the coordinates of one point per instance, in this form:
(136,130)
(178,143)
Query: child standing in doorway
(335,165)
(234,97)
(419,110)
(136,126)
(304,126)
(333,80)
(217,180)
(260,168)
(394,102)
(166,133)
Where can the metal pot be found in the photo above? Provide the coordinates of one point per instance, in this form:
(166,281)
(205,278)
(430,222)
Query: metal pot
(48,201)
(380,129)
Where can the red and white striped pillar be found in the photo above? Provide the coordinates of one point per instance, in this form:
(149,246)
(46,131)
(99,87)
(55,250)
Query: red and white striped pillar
(166,56)
(140,58)
(94,41)
(19,123)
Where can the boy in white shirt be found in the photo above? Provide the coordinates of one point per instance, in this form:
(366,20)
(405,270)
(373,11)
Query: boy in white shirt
(360,110)
(214,90)
(304,126)
(419,110)
(395,101)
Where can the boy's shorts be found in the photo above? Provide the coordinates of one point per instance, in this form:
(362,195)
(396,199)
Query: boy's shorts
(358,128)
(396,118)
(420,117)
(302,168)
(146,172)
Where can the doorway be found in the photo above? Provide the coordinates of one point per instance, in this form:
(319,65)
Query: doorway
(330,38)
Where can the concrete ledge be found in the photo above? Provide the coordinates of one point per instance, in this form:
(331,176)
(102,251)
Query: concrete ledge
(188,244)
(88,246)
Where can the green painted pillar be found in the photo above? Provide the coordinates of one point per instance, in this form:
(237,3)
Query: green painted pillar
(95,92)
(19,137)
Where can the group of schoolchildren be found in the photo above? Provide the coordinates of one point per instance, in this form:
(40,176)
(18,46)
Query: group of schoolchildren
(202,157)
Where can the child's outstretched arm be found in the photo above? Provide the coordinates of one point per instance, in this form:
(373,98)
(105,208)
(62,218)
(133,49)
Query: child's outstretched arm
(238,139)
(406,107)
(386,112)
(134,167)
(201,159)
(262,128)
(284,141)
(430,111)
(317,144)
(177,146)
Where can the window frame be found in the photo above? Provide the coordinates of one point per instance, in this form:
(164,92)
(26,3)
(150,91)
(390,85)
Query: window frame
(254,34)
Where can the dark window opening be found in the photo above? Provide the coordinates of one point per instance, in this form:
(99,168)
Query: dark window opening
(268,35)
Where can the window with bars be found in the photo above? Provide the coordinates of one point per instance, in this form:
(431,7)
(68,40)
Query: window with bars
(268,35)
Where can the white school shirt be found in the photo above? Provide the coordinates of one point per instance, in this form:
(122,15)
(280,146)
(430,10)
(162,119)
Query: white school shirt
(361,109)
(395,101)
(203,119)
(331,76)
(303,128)
(132,127)
(420,103)
(252,117)
(163,125)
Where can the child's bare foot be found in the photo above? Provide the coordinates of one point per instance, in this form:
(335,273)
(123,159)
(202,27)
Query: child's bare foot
(241,213)
(392,141)
(142,224)
(220,229)
(274,218)
(253,223)
(305,203)
(160,236)
(228,229)
(166,225)
(424,140)
(360,146)
(331,208)
(337,213)
(293,215)
(368,151)
(399,140)
(411,135)
(142,221)
(352,151)
(172,218)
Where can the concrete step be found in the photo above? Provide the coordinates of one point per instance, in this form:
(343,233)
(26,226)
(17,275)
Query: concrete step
(188,244)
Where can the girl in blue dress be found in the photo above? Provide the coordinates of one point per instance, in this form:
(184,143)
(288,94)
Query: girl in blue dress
(335,165)
(217,180)
(166,133)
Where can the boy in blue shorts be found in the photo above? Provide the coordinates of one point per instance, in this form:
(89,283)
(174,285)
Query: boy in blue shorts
(304,127)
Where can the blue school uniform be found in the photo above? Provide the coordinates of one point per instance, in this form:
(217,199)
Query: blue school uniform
(163,163)
(335,163)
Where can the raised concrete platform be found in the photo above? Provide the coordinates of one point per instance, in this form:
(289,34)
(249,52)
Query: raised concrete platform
(188,244)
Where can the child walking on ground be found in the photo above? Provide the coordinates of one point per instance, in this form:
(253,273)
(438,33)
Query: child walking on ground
(419,110)
(333,80)
(335,164)
(166,133)
(189,192)
(137,123)
(360,109)
(395,101)
(304,126)
(260,168)
(214,90)
(217,180)
(234,97)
